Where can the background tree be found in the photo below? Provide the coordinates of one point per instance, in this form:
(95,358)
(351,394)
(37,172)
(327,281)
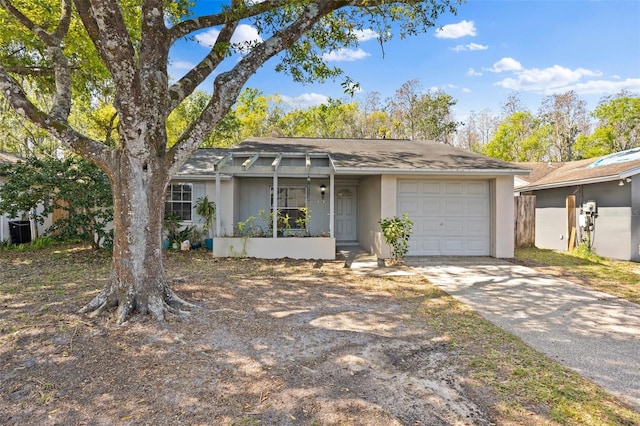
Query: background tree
(435,119)
(404,110)
(617,129)
(520,137)
(74,48)
(566,116)
(477,131)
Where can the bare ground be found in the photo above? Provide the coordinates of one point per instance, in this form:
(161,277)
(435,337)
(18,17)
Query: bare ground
(280,343)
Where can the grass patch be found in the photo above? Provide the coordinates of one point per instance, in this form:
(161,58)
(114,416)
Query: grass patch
(530,388)
(615,277)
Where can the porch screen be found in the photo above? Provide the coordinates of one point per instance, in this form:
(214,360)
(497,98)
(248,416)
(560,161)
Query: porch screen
(292,207)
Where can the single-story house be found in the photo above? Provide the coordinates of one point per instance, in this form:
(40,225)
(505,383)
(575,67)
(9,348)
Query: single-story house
(333,192)
(606,191)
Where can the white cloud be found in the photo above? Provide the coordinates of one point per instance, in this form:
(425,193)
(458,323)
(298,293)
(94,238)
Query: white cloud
(600,87)
(546,79)
(466,90)
(305,100)
(473,72)
(505,64)
(182,65)
(345,55)
(243,34)
(208,38)
(364,35)
(469,47)
(461,29)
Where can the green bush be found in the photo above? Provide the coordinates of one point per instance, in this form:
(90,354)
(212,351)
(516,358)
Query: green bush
(396,231)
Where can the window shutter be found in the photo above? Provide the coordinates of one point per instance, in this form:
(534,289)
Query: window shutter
(199,191)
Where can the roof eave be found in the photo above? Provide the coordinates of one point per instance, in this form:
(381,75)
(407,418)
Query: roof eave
(391,171)
(576,182)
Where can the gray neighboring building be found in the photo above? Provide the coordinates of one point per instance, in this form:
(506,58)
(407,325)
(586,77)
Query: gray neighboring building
(612,182)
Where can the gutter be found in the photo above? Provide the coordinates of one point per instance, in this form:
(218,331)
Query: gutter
(578,182)
(469,172)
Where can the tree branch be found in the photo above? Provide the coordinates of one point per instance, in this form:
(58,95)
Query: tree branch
(57,126)
(106,28)
(188,83)
(228,85)
(238,12)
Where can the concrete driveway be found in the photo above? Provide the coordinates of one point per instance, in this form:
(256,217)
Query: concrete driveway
(593,333)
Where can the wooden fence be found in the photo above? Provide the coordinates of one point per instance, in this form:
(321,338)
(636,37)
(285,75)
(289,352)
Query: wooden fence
(525,220)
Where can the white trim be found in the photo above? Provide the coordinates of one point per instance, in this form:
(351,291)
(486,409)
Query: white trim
(428,172)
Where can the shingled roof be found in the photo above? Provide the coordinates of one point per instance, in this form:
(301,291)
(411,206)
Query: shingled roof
(365,156)
(611,167)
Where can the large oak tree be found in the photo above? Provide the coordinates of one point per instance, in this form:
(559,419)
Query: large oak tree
(119,49)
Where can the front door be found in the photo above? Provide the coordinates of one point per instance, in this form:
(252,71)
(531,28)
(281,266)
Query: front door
(346,214)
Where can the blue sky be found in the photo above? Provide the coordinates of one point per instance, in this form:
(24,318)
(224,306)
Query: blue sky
(490,49)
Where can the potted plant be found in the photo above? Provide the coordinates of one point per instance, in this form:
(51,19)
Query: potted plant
(207,210)
(170,224)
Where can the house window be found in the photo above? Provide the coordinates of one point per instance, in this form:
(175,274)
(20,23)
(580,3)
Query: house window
(292,205)
(179,201)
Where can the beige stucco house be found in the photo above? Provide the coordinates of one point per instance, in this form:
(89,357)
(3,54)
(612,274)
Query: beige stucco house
(333,192)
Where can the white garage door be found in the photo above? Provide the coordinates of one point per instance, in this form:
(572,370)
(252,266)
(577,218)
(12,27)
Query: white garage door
(450,217)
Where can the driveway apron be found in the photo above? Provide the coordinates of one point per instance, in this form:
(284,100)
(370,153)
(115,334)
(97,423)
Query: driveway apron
(593,333)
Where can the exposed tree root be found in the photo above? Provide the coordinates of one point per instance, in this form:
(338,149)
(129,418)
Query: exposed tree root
(156,305)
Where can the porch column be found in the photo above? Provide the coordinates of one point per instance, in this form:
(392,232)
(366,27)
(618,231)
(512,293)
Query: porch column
(217,234)
(275,205)
(331,205)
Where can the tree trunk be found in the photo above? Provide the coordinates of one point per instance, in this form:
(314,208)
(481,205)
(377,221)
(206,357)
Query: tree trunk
(137,280)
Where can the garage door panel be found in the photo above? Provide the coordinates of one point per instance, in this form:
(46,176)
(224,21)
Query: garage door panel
(409,187)
(477,207)
(477,227)
(411,206)
(450,217)
(476,247)
(453,188)
(454,225)
(452,246)
(478,188)
(428,246)
(431,208)
(431,188)
(454,207)
(429,225)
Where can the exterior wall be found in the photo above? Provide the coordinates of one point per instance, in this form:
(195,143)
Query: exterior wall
(635,218)
(369,212)
(615,235)
(254,194)
(502,237)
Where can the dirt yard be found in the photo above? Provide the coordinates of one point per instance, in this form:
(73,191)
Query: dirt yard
(280,343)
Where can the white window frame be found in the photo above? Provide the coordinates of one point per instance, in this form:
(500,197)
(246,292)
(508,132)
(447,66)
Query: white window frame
(170,201)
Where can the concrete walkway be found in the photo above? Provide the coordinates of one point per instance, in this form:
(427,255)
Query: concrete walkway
(593,333)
